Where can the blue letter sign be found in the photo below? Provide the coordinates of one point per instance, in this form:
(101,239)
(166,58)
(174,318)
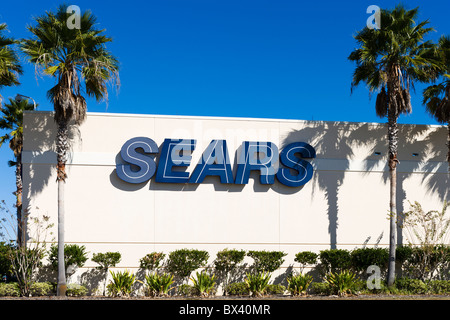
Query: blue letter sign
(289,167)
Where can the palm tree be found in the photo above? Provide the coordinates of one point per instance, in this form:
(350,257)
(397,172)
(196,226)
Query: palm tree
(389,60)
(80,63)
(436,97)
(10,67)
(12,120)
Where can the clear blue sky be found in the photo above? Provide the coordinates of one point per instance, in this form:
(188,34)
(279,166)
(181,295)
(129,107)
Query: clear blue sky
(234,58)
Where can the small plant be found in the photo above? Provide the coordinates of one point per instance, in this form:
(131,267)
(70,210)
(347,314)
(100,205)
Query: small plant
(158,285)
(183,262)
(306,258)
(275,289)
(227,262)
(76,290)
(74,256)
(151,261)
(342,283)
(334,260)
(257,283)
(204,283)
(121,284)
(237,289)
(299,283)
(41,289)
(105,261)
(266,261)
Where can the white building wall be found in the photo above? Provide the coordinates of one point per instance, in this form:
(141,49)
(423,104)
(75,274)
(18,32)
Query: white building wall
(344,205)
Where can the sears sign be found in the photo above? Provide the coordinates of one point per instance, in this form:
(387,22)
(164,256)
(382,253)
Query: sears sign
(288,166)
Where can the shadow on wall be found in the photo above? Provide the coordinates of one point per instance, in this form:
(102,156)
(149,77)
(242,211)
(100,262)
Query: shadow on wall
(39,157)
(338,140)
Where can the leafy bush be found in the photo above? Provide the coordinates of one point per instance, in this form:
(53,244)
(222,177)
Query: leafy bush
(5,260)
(9,289)
(237,289)
(76,290)
(74,255)
(107,259)
(158,284)
(299,283)
(266,261)
(439,286)
(257,282)
(411,286)
(342,283)
(362,258)
(183,261)
(121,283)
(306,258)
(41,289)
(275,289)
(151,261)
(334,260)
(321,288)
(204,283)
(227,262)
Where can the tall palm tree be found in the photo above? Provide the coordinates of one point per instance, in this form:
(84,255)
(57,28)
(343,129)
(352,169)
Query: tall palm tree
(12,121)
(80,63)
(436,97)
(10,67)
(389,60)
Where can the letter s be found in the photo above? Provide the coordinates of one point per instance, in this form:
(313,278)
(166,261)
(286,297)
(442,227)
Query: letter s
(304,168)
(147,165)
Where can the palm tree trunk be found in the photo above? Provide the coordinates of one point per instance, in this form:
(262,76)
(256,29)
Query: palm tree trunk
(393,87)
(448,145)
(61,149)
(19,192)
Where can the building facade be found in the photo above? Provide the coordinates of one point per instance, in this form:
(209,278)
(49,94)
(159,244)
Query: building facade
(149,183)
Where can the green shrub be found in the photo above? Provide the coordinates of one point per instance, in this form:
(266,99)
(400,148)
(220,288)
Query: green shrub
(257,282)
(74,255)
(334,260)
(158,284)
(107,259)
(41,289)
(183,261)
(439,286)
(121,283)
(10,289)
(237,289)
(411,286)
(186,290)
(151,261)
(275,289)
(362,258)
(204,283)
(266,261)
(321,288)
(5,260)
(76,290)
(299,283)
(342,283)
(306,258)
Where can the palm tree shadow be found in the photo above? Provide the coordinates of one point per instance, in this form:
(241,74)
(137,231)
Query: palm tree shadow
(330,142)
(337,143)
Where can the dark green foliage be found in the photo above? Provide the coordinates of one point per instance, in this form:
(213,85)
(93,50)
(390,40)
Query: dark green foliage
(227,260)
(5,260)
(362,258)
(151,261)
(266,261)
(74,255)
(106,260)
(334,260)
(183,261)
(306,257)
(237,289)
